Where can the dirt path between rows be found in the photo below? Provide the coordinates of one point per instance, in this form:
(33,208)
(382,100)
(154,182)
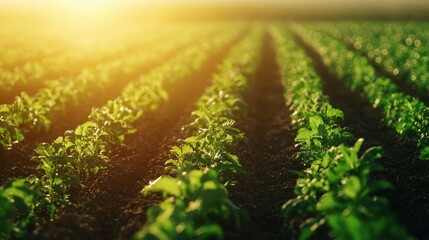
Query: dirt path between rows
(267,155)
(408,174)
(110,206)
(17,163)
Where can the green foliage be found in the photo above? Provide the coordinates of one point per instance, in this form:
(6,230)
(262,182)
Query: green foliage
(407,115)
(36,113)
(316,136)
(214,131)
(337,190)
(198,206)
(398,48)
(83,151)
(335,195)
(37,61)
(18,201)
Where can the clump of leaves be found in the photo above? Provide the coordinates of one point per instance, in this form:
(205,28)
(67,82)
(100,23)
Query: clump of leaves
(337,191)
(197,204)
(32,113)
(19,199)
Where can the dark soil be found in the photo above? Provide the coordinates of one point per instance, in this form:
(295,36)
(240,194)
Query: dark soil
(110,205)
(16,162)
(409,175)
(267,156)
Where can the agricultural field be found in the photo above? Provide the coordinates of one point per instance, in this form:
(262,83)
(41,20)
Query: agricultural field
(215,130)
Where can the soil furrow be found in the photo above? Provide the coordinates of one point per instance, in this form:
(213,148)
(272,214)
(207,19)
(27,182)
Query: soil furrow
(110,205)
(410,197)
(16,162)
(267,155)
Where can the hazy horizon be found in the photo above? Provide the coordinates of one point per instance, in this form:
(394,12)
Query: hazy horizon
(156,10)
(115,3)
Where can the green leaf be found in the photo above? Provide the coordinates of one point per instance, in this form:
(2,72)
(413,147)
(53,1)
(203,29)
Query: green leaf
(209,231)
(327,203)
(352,187)
(163,184)
(349,227)
(315,122)
(333,112)
(424,154)
(358,145)
(304,134)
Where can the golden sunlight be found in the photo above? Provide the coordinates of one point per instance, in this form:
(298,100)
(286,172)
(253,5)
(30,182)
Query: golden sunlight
(214,119)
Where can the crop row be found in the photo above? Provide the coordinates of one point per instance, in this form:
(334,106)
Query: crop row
(51,67)
(398,50)
(73,61)
(18,50)
(335,195)
(84,151)
(22,44)
(407,115)
(197,206)
(39,111)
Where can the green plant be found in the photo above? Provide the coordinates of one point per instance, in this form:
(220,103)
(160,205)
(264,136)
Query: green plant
(406,114)
(83,151)
(198,206)
(38,112)
(335,195)
(338,189)
(19,200)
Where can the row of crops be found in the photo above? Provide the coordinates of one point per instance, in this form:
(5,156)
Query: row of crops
(336,189)
(406,114)
(32,62)
(335,196)
(38,111)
